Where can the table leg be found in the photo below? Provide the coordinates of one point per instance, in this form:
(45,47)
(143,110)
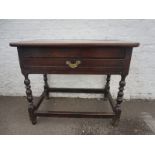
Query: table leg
(46,87)
(107,86)
(119,100)
(31,107)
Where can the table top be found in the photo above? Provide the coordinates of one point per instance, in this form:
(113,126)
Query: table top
(75,43)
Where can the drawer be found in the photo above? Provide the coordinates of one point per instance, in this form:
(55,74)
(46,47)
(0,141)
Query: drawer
(74,52)
(71,66)
(71,62)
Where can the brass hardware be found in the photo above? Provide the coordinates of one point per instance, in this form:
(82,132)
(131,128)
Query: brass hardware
(73,65)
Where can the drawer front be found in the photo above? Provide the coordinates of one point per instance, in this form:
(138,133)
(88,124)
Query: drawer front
(72,52)
(72,60)
(70,65)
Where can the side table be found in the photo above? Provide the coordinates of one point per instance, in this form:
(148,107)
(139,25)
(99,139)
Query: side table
(75,57)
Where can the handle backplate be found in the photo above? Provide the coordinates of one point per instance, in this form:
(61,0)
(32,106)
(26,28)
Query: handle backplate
(73,65)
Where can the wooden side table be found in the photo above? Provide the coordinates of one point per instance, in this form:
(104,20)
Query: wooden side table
(75,57)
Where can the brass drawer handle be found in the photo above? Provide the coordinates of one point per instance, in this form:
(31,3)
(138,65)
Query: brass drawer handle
(73,65)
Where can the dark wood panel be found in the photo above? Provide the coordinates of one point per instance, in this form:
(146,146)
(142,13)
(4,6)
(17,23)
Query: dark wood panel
(77,90)
(94,52)
(66,70)
(75,114)
(27,62)
(94,61)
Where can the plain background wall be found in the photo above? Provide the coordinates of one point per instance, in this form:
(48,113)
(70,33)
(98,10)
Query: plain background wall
(140,81)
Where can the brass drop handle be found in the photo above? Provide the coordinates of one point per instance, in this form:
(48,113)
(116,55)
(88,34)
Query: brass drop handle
(73,65)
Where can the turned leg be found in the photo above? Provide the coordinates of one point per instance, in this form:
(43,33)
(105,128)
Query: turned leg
(107,86)
(119,100)
(31,107)
(46,87)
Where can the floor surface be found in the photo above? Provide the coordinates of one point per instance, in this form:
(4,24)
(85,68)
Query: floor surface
(138,118)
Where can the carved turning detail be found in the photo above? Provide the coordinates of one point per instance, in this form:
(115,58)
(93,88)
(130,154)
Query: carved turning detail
(107,86)
(46,87)
(120,92)
(31,107)
(119,99)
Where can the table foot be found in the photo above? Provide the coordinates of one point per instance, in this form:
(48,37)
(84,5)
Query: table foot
(32,116)
(107,87)
(115,122)
(34,121)
(46,87)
